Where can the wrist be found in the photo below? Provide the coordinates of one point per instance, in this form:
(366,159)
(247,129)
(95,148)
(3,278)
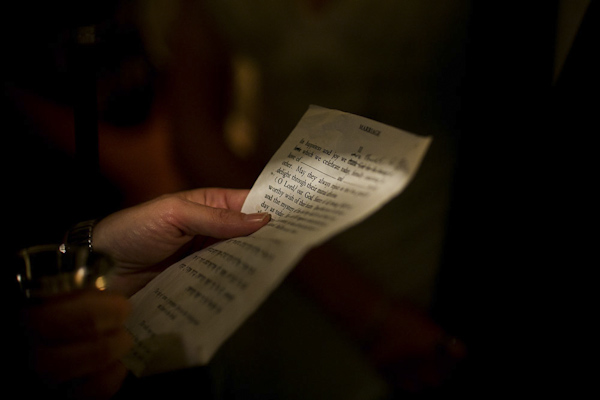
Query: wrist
(79,236)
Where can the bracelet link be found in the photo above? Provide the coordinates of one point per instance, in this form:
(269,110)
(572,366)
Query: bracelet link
(79,235)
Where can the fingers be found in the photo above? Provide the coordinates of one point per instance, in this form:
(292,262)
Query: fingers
(76,316)
(60,363)
(162,225)
(197,219)
(143,239)
(232,199)
(76,335)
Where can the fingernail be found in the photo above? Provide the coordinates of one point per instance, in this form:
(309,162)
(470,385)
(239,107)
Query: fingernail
(258,217)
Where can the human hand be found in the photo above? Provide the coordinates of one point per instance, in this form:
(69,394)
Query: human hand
(144,239)
(74,343)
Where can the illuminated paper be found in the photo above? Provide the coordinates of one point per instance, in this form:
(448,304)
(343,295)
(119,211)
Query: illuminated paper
(334,170)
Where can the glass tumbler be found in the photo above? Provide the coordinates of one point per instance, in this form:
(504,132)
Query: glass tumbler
(48,270)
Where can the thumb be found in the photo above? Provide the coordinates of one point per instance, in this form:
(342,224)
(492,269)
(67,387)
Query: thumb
(219,223)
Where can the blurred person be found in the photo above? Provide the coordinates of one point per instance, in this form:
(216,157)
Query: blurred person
(411,349)
(224,128)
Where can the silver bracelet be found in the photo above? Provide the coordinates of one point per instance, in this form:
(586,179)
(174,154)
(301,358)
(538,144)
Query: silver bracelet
(79,235)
